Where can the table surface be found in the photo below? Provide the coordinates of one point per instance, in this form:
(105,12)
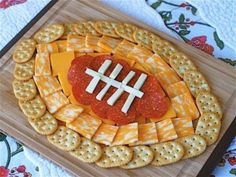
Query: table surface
(181,18)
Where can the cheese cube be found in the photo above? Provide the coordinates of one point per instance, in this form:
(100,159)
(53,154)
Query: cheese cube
(140,54)
(169,114)
(55,101)
(147,134)
(166,130)
(124,48)
(108,43)
(129,61)
(167,78)
(42,64)
(183,126)
(62,45)
(92,43)
(184,106)
(47,85)
(68,113)
(77,43)
(61,62)
(85,124)
(105,134)
(157,64)
(126,134)
(47,48)
(176,89)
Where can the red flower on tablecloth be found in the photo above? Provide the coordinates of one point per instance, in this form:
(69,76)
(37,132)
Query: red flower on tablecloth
(3,172)
(7,3)
(21,169)
(200,43)
(232,160)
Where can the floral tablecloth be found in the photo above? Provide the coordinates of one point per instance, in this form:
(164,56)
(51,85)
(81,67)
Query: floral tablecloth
(183,20)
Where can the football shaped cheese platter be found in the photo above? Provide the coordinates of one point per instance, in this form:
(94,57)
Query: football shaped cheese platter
(99,95)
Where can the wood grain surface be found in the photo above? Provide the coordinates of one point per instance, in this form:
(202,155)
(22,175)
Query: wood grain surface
(221,77)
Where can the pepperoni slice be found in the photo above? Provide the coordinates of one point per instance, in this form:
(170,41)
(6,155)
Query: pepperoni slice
(77,69)
(81,95)
(153,105)
(100,108)
(115,114)
(151,85)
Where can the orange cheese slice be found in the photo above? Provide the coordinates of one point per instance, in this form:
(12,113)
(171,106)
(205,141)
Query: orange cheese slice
(126,134)
(147,134)
(55,101)
(66,87)
(61,62)
(42,64)
(47,48)
(47,85)
(68,113)
(72,100)
(77,43)
(62,45)
(108,43)
(184,106)
(167,78)
(183,126)
(176,89)
(169,114)
(124,48)
(92,43)
(166,130)
(157,64)
(85,124)
(129,61)
(105,134)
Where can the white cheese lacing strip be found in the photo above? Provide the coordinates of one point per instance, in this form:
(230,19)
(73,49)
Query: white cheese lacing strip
(121,86)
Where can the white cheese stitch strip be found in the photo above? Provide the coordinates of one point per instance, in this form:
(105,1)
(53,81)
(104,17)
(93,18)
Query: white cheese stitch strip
(113,75)
(114,83)
(138,84)
(92,85)
(119,91)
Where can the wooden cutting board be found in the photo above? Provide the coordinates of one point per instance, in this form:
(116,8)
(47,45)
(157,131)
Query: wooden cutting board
(222,79)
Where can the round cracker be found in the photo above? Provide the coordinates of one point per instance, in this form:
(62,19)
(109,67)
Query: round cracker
(164,49)
(24,90)
(196,82)
(167,153)
(69,28)
(24,50)
(208,127)
(194,145)
(86,28)
(106,28)
(49,33)
(207,102)
(142,156)
(87,151)
(34,108)
(115,156)
(24,71)
(145,38)
(126,31)
(64,138)
(181,63)
(44,125)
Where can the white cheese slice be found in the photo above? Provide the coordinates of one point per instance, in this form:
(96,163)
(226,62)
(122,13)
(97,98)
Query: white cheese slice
(94,82)
(113,75)
(138,84)
(111,101)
